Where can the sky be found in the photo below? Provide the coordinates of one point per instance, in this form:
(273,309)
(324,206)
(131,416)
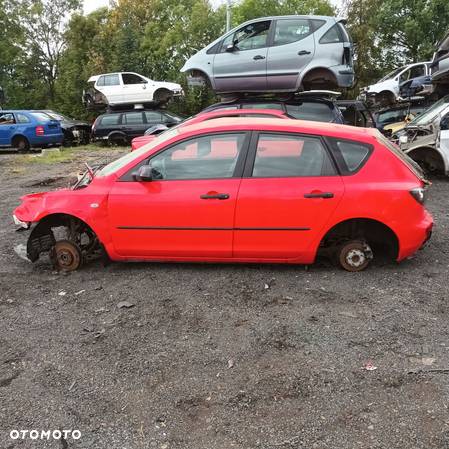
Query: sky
(91,5)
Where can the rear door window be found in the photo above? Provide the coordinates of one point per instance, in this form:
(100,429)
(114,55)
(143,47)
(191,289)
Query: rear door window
(109,120)
(318,112)
(291,30)
(133,118)
(154,117)
(111,80)
(276,106)
(22,118)
(280,156)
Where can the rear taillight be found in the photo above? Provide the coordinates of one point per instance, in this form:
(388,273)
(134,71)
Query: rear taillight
(420,194)
(40,131)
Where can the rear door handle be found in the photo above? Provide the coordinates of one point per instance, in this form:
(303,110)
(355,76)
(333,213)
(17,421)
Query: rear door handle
(304,52)
(257,57)
(215,196)
(325,195)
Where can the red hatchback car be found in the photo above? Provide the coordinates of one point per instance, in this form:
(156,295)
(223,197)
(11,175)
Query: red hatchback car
(239,190)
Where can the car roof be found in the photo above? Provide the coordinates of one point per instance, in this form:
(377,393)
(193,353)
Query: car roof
(292,16)
(280,125)
(24,111)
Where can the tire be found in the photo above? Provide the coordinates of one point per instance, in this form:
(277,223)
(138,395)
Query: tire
(354,255)
(21,144)
(162,96)
(117,140)
(66,256)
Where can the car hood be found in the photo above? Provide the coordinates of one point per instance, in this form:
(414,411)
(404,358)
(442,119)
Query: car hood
(168,85)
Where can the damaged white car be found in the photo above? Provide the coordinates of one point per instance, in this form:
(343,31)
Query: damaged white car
(111,89)
(426,138)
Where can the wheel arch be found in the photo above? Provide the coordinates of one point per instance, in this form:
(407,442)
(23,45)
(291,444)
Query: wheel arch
(374,231)
(37,242)
(317,69)
(429,154)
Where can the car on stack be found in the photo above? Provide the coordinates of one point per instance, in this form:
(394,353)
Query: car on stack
(276,54)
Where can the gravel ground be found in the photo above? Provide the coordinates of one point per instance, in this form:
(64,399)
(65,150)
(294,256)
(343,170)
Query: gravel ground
(209,357)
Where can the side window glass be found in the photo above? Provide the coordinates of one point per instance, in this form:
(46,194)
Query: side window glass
(111,80)
(213,156)
(291,30)
(133,118)
(418,70)
(100,81)
(276,106)
(405,76)
(250,37)
(154,117)
(332,36)
(131,78)
(21,118)
(112,119)
(7,119)
(354,154)
(279,156)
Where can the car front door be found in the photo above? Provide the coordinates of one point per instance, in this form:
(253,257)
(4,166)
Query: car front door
(292,50)
(135,88)
(241,63)
(187,209)
(7,127)
(288,192)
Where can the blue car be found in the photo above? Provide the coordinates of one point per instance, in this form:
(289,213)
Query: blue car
(23,130)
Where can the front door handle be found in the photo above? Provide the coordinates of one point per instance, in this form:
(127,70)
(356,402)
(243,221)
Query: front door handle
(215,196)
(325,195)
(257,57)
(304,52)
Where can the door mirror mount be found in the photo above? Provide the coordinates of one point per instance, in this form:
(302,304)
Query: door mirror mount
(143,174)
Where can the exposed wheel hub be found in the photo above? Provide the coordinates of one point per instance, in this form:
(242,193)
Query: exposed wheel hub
(355,258)
(66,256)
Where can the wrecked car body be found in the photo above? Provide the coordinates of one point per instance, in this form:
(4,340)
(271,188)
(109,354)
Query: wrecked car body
(440,65)
(426,138)
(127,88)
(387,90)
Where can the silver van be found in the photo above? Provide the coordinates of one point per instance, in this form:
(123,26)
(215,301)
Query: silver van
(276,54)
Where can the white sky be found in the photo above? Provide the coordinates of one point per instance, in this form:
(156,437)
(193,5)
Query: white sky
(91,5)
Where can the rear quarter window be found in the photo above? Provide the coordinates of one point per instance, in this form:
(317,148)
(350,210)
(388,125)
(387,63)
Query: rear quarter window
(351,156)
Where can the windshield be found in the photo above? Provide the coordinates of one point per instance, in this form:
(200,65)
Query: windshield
(56,116)
(392,74)
(134,155)
(430,114)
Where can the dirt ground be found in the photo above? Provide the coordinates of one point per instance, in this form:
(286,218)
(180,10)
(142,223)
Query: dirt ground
(209,357)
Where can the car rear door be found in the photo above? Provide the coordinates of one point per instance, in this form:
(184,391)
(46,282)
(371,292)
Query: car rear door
(289,190)
(187,210)
(291,51)
(241,63)
(110,87)
(133,124)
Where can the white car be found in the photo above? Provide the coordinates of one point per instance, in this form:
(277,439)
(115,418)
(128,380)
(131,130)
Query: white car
(386,90)
(128,88)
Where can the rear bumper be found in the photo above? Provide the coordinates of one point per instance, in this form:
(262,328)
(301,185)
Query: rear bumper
(417,237)
(47,139)
(344,75)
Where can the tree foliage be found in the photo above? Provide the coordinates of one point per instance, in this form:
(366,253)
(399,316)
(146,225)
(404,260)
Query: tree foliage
(49,48)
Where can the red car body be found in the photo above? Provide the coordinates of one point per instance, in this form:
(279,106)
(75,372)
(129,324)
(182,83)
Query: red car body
(248,216)
(140,141)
